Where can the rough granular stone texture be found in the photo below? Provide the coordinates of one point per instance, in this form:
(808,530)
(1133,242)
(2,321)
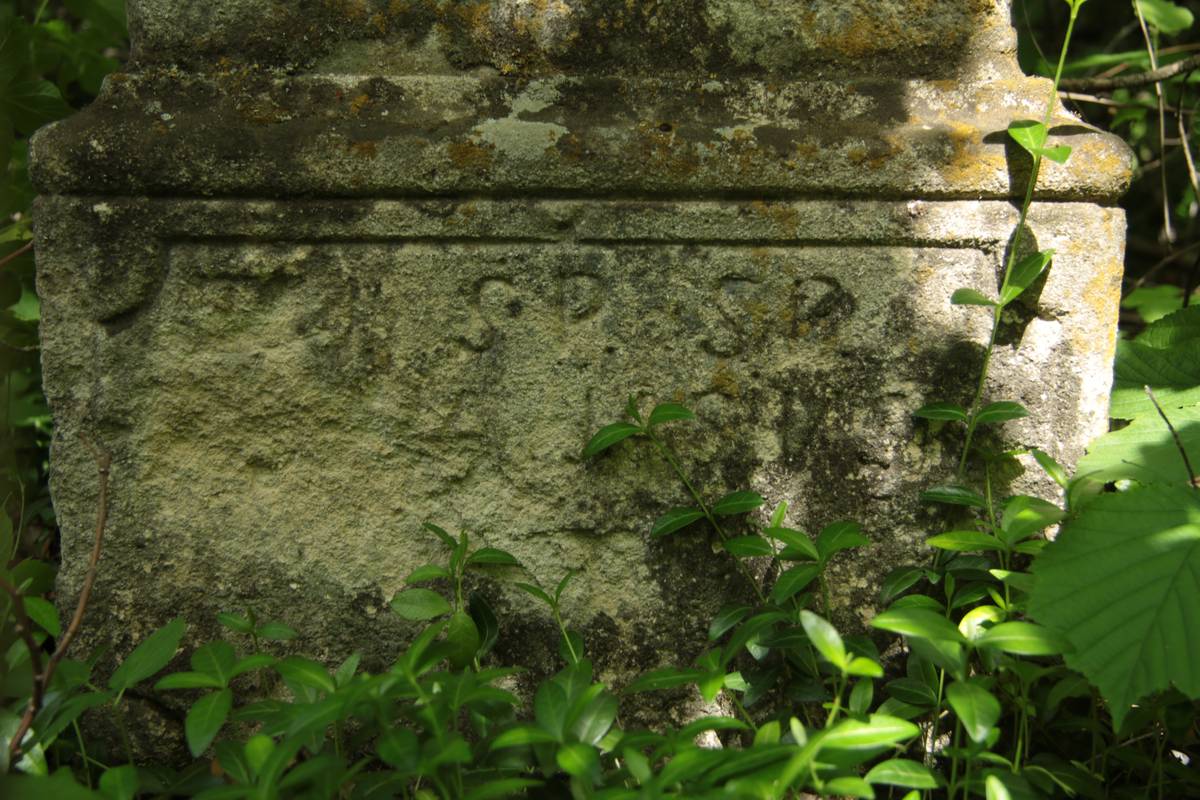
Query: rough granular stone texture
(317,272)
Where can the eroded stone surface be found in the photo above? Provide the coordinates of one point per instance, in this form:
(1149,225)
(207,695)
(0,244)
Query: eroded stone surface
(312,293)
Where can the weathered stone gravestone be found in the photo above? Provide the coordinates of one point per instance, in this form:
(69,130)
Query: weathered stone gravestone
(317,272)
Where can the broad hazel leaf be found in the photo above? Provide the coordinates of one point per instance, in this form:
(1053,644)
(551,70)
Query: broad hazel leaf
(1029,134)
(1000,411)
(737,503)
(154,653)
(1023,274)
(1145,451)
(675,519)
(949,412)
(668,412)
(609,435)
(1132,556)
(970,297)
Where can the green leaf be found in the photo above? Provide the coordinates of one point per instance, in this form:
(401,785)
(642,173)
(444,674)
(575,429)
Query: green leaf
(1027,270)
(864,667)
(1166,357)
(825,638)
(276,631)
(665,678)
(1024,639)
(420,604)
(609,435)
(236,623)
(501,787)
(794,580)
(258,749)
(1000,411)
(562,584)
(1168,17)
(839,536)
(1052,467)
(1145,451)
(43,612)
(305,672)
(726,618)
(905,773)
(878,731)
(1029,134)
(737,503)
(522,735)
(1059,154)
(777,516)
(119,783)
(577,759)
(950,412)
(1023,516)
(965,541)
(535,591)
(977,709)
(253,662)
(462,640)
(216,659)
(1130,556)
(154,653)
(748,546)
(675,519)
(799,546)
(919,623)
(849,786)
(954,496)
(427,572)
(490,556)
(970,297)
(899,581)
(189,680)
(995,788)
(668,412)
(205,718)
(441,533)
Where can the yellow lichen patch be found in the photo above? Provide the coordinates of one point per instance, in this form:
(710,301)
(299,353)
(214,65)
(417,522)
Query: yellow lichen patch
(359,103)
(724,382)
(783,216)
(968,162)
(468,155)
(1102,298)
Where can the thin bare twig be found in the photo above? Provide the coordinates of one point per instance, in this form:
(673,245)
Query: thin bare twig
(1167,259)
(1155,75)
(1168,229)
(1187,464)
(1183,142)
(42,678)
(15,254)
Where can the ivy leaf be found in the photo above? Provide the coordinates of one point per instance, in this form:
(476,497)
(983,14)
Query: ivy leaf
(1137,554)
(609,435)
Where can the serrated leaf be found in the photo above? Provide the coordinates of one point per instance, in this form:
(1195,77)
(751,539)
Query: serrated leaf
(1024,273)
(949,412)
(918,623)
(493,557)
(669,412)
(903,772)
(609,435)
(954,496)
(970,297)
(1166,357)
(154,653)
(419,604)
(1000,411)
(965,541)
(1135,554)
(674,520)
(793,580)
(737,503)
(977,709)
(205,718)
(1145,451)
